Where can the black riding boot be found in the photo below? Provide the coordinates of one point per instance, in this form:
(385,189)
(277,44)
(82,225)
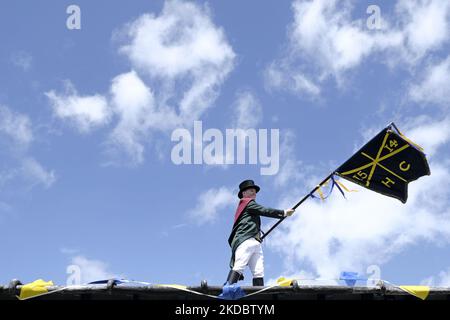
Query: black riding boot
(258,282)
(233,277)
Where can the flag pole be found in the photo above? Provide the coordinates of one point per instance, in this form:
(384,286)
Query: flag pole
(392,124)
(298,204)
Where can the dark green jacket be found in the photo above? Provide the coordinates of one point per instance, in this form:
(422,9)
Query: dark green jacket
(249,225)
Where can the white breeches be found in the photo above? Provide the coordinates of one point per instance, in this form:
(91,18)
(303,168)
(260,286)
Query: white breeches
(249,253)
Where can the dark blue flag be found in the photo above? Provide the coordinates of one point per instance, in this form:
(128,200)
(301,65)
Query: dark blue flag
(386,164)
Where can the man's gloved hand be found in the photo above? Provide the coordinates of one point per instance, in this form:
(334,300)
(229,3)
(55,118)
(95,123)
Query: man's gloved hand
(288,212)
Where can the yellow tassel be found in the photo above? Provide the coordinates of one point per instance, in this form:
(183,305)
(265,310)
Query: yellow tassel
(344,187)
(321,194)
(410,142)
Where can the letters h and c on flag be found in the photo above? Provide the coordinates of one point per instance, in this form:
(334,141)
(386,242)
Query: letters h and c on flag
(386,164)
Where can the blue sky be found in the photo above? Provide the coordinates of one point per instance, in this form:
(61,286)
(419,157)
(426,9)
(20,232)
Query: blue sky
(86,118)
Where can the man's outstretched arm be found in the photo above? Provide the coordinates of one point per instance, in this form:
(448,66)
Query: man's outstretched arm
(255,208)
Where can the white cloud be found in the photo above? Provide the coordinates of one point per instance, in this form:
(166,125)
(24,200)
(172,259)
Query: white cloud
(28,174)
(247,115)
(348,235)
(92,270)
(134,104)
(35,174)
(179,60)
(164,233)
(326,31)
(277,76)
(181,44)
(292,170)
(247,111)
(435,85)
(325,41)
(68,251)
(86,112)
(426,25)
(131,97)
(442,280)
(16,131)
(303,84)
(22,59)
(211,202)
(16,126)
(180,40)
(430,135)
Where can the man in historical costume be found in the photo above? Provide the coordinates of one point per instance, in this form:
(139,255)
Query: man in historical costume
(245,239)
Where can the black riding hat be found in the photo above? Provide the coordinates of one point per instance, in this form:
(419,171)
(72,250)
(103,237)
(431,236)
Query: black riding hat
(246,184)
